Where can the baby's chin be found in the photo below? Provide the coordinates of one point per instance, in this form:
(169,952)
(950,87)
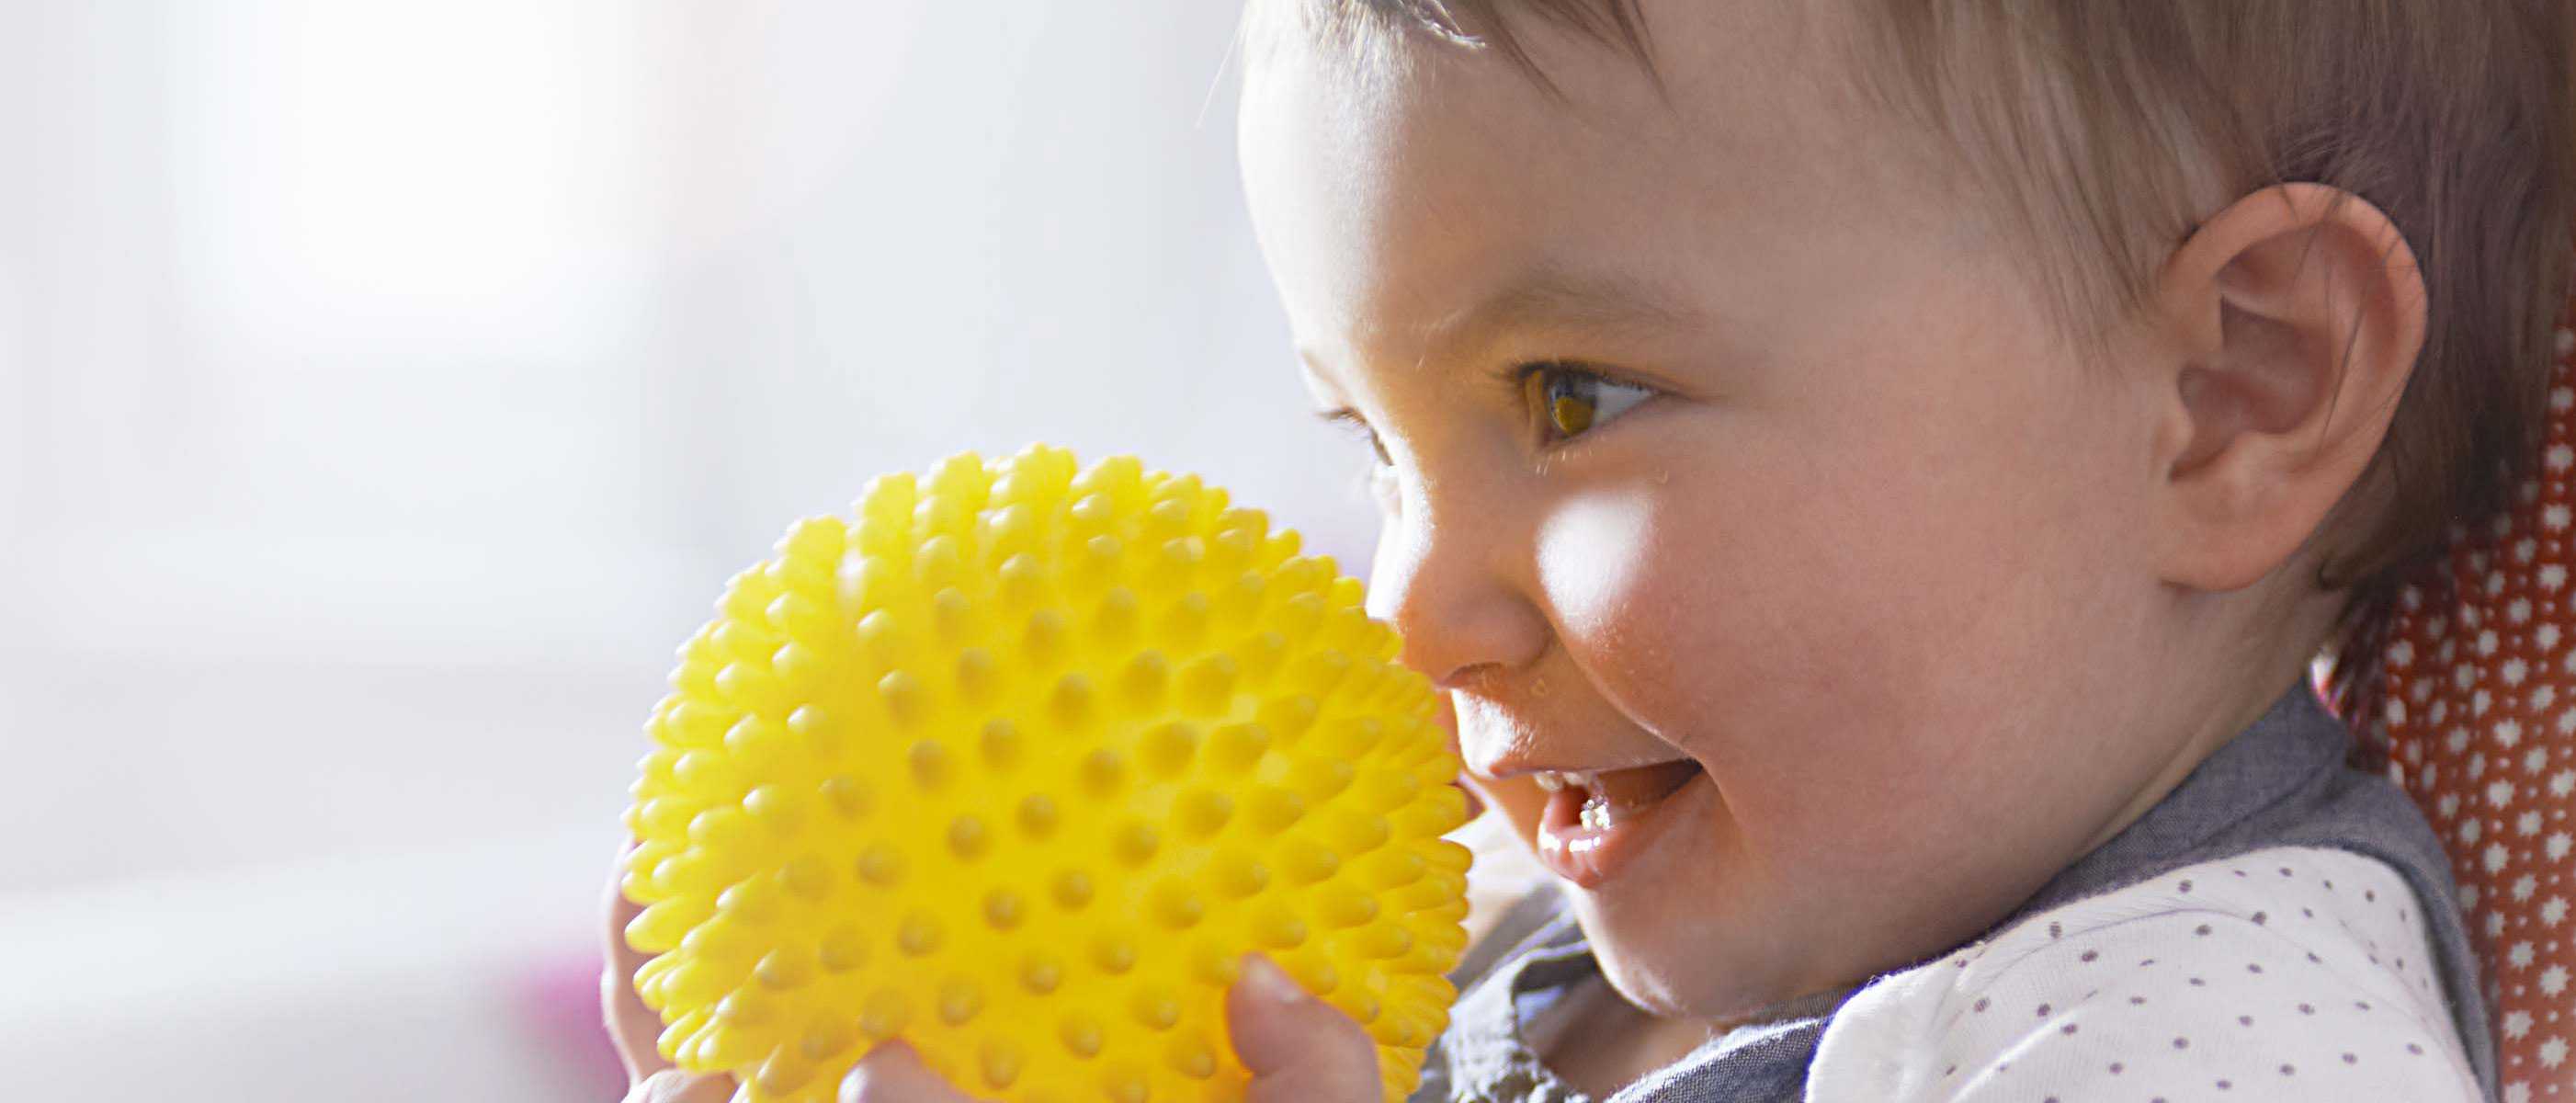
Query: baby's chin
(1663,945)
(1685,974)
(1673,952)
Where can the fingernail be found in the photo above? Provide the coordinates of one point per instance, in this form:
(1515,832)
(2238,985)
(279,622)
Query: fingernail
(1270,980)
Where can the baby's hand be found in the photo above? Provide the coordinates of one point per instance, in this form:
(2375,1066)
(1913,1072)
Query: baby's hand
(674,1086)
(1298,1048)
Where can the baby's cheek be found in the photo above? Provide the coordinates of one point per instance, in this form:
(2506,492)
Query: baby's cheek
(1930,831)
(1692,606)
(1634,587)
(1687,632)
(1602,552)
(1747,634)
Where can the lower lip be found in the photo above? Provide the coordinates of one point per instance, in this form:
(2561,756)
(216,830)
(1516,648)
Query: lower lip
(1589,856)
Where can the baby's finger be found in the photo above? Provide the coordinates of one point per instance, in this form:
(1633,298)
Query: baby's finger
(1299,1049)
(632,1026)
(893,1073)
(674,1086)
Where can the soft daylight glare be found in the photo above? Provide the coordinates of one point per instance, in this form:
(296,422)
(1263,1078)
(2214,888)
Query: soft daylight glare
(387,389)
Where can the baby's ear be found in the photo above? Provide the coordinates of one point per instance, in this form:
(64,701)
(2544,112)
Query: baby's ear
(2294,318)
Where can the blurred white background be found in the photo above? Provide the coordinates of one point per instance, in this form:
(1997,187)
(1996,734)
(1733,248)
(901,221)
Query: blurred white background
(386,390)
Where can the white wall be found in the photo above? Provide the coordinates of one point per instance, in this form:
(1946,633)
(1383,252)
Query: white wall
(387,388)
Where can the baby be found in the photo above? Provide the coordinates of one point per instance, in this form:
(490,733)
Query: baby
(1872,476)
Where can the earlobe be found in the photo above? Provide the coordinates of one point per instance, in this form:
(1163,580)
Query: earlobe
(2294,319)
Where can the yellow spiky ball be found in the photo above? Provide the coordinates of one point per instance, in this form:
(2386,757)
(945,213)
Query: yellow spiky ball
(1015,764)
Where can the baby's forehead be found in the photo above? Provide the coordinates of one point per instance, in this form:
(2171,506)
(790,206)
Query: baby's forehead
(1735,96)
(1437,168)
(1704,61)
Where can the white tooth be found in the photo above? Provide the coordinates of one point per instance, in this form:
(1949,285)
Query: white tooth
(1588,779)
(1550,780)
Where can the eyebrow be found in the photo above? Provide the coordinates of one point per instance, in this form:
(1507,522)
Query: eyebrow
(1554,298)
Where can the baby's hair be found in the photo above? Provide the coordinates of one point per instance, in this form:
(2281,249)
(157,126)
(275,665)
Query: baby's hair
(2101,133)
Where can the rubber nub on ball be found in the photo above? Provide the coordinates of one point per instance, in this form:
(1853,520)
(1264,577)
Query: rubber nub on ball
(1014,763)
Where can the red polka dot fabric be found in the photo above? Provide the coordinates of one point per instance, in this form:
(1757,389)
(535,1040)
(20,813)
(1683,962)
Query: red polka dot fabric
(2473,692)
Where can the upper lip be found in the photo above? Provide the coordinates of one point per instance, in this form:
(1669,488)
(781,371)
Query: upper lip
(1497,759)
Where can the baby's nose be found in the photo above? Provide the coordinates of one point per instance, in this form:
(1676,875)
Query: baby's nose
(1465,616)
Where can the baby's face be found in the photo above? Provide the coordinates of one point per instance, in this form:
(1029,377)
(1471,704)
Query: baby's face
(1711,438)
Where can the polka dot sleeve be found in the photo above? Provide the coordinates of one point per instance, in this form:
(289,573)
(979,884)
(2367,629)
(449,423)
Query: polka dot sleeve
(2285,974)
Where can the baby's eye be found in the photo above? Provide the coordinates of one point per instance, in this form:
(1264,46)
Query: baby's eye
(1568,401)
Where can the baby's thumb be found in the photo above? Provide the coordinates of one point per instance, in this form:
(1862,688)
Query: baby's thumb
(1299,1049)
(674,1086)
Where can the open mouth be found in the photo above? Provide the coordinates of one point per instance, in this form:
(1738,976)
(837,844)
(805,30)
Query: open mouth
(1611,797)
(1596,821)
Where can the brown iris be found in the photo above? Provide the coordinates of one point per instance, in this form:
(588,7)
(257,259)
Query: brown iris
(1567,399)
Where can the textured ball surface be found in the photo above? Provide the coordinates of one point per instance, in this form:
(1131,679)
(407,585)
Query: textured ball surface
(1015,765)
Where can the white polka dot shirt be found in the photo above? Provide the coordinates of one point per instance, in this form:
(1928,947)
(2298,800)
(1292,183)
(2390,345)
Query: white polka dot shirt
(2284,974)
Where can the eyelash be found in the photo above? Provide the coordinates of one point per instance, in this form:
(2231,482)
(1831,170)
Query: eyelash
(1351,420)
(1516,381)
